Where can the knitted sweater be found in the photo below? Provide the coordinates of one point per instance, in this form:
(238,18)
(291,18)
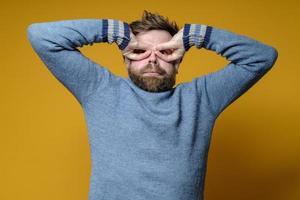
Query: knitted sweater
(145,145)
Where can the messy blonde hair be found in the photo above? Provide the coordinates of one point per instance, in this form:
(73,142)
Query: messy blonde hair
(153,21)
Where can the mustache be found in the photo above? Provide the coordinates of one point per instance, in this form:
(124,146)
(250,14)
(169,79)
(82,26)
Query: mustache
(153,68)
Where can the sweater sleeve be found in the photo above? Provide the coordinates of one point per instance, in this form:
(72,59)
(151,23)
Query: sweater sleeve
(56,44)
(249,61)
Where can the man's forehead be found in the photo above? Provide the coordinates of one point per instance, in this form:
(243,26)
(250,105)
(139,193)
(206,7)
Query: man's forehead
(153,37)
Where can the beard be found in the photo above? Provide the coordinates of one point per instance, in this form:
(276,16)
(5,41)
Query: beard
(161,83)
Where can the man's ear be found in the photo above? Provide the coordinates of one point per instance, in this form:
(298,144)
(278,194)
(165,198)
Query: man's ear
(177,63)
(176,67)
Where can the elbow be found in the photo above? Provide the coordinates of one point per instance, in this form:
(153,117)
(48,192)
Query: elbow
(35,36)
(271,56)
(32,31)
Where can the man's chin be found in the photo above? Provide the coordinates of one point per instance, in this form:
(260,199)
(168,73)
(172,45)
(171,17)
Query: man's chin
(152,83)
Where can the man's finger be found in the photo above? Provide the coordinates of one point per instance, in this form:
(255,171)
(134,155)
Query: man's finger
(135,56)
(166,45)
(143,55)
(131,56)
(168,58)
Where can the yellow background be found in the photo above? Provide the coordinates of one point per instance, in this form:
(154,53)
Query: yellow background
(254,152)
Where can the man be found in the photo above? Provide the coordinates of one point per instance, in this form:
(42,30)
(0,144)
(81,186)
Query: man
(152,31)
(148,139)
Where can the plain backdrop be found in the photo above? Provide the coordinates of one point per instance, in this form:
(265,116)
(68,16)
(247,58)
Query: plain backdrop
(254,151)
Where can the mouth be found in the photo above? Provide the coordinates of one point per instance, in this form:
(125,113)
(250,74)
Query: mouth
(152,73)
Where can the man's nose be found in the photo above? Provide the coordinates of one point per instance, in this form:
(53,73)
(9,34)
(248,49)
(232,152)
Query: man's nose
(153,57)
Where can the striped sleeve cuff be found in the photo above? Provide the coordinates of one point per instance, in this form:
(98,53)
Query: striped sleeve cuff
(196,34)
(116,31)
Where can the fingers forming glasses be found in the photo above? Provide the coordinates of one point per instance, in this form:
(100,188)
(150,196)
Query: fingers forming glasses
(137,54)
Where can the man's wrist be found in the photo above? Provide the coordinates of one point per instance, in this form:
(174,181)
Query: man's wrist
(196,35)
(116,31)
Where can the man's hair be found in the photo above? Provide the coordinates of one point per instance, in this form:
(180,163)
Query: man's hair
(153,21)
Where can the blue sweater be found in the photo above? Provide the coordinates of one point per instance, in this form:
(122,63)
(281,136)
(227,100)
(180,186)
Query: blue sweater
(144,145)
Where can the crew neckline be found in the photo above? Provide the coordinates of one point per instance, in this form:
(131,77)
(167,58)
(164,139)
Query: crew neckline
(149,95)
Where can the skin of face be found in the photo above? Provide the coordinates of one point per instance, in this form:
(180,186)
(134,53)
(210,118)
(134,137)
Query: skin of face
(166,71)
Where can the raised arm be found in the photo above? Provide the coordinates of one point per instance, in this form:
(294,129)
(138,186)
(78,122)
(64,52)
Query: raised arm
(56,44)
(249,61)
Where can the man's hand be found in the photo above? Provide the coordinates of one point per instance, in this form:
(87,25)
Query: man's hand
(171,51)
(135,50)
(175,45)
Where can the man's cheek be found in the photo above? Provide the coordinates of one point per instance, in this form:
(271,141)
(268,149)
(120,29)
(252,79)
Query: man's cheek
(139,62)
(164,63)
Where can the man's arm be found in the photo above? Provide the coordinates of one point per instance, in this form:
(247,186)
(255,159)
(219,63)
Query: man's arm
(56,44)
(250,60)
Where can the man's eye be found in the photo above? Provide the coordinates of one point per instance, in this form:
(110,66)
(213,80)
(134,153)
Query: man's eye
(167,51)
(138,51)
